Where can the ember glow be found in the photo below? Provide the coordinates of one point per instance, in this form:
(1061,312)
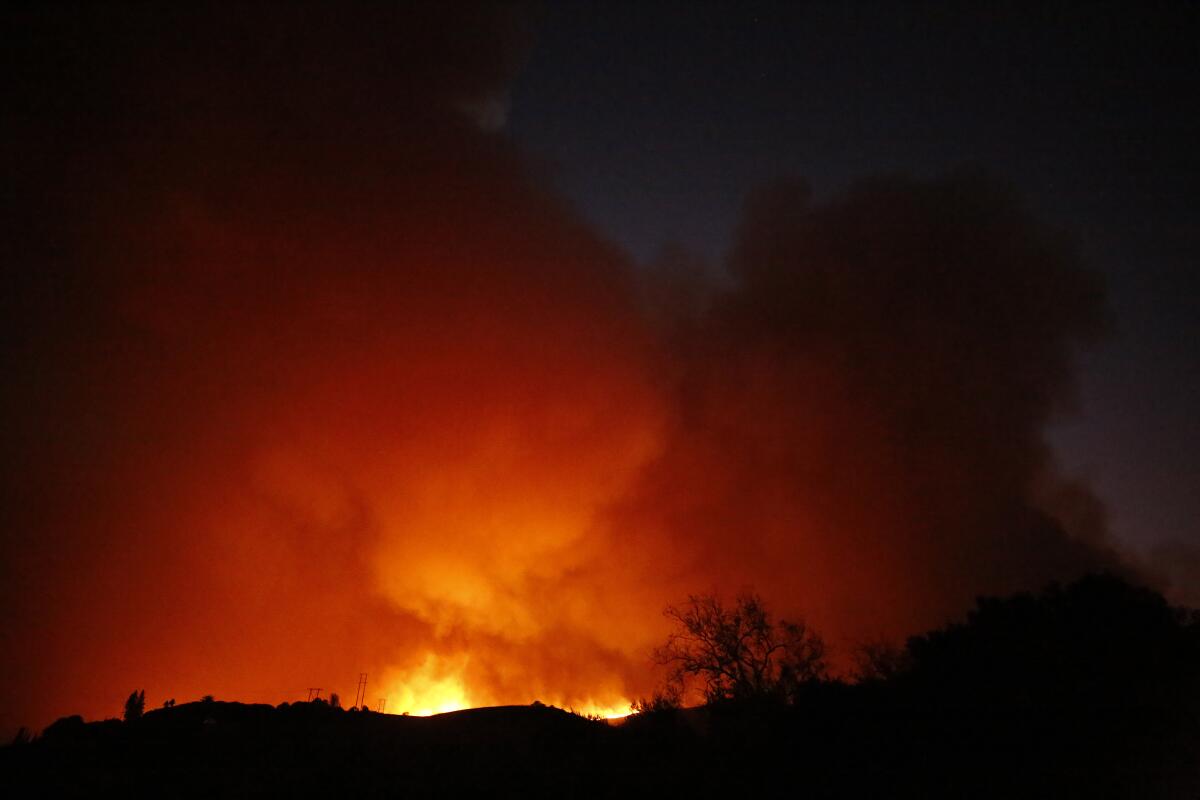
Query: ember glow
(358,394)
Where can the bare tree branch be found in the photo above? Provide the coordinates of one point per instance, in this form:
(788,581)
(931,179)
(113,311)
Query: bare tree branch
(738,651)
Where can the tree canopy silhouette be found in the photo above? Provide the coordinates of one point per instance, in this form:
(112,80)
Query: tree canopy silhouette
(738,651)
(1098,642)
(135,704)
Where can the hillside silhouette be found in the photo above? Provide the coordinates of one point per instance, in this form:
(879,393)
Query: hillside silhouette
(1088,690)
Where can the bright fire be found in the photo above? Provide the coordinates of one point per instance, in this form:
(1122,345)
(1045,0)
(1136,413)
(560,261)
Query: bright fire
(439,685)
(434,687)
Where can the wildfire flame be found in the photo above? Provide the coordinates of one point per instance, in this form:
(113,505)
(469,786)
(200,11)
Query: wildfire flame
(438,685)
(434,687)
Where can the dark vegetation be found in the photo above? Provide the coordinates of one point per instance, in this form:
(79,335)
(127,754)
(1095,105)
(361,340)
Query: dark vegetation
(737,652)
(135,705)
(1089,690)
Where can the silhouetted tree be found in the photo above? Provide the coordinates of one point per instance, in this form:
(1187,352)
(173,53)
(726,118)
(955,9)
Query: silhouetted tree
(739,651)
(335,701)
(1100,641)
(135,705)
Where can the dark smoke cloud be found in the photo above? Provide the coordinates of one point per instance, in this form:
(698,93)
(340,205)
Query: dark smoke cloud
(306,375)
(861,417)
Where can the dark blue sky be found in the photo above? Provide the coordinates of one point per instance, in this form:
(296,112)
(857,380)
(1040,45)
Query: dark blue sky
(657,118)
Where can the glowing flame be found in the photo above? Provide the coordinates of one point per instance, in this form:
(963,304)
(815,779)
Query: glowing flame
(618,711)
(438,685)
(434,687)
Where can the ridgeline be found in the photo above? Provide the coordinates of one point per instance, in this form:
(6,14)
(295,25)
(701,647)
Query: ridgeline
(1092,690)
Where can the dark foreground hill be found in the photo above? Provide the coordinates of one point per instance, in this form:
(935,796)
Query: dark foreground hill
(844,742)
(232,749)
(1092,691)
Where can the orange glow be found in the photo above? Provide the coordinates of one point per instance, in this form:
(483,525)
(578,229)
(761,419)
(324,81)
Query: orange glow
(607,712)
(439,684)
(479,486)
(434,687)
(301,390)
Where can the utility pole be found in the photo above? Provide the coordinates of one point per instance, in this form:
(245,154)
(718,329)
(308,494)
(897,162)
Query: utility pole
(360,696)
(382,704)
(314,693)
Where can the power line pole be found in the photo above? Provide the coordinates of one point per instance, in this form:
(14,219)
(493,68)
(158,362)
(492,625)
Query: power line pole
(382,704)
(360,696)
(314,693)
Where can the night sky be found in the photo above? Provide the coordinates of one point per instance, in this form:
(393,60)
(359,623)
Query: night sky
(657,118)
(451,343)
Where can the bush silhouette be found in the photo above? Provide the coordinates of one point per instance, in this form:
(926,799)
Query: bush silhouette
(64,728)
(878,660)
(1097,642)
(135,705)
(665,699)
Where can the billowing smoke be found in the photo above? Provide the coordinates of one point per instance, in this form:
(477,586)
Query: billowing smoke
(307,376)
(859,420)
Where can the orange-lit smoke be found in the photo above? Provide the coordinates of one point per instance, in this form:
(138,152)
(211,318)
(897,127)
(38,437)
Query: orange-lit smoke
(309,377)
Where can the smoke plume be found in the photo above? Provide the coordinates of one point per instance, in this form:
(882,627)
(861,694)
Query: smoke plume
(307,376)
(858,425)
